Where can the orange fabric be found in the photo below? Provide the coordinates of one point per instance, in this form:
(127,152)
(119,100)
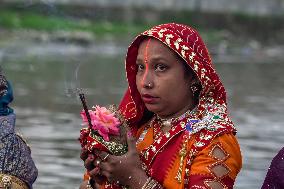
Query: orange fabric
(229,143)
(148,139)
(86,176)
(171,181)
(201,163)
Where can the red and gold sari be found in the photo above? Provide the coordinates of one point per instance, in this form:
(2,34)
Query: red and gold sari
(200,150)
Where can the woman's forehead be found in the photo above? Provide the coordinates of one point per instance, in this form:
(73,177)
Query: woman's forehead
(153,42)
(155,48)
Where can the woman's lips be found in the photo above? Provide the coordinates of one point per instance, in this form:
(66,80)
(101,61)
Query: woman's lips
(148,99)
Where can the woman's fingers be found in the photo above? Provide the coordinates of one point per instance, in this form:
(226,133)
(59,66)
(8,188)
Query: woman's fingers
(103,155)
(96,175)
(89,163)
(104,158)
(107,175)
(84,154)
(131,142)
(94,172)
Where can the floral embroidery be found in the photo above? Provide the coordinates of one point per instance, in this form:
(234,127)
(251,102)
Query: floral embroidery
(177,43)
(191,56)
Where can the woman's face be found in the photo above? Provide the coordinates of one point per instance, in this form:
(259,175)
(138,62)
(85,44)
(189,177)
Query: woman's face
(161,80)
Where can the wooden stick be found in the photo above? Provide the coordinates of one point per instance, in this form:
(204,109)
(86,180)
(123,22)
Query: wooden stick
(83,100)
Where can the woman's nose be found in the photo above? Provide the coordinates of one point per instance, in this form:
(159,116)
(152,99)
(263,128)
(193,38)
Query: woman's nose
(147,81)
(148,85)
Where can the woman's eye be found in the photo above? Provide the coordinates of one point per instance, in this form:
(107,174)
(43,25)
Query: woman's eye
(160,67)
(140,67)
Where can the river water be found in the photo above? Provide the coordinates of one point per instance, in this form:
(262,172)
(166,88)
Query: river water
(44,79)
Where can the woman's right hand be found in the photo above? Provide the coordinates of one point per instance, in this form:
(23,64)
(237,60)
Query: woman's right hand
(91,166)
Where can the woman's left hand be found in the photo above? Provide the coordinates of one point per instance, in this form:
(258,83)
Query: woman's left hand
(126,169)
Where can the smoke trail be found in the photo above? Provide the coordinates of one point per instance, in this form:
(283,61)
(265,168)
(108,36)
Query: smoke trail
(72,82)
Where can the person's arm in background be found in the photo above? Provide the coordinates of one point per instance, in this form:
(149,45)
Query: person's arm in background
(17,164)
(274,177)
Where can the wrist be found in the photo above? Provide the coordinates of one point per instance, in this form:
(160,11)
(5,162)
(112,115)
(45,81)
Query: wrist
(137,180)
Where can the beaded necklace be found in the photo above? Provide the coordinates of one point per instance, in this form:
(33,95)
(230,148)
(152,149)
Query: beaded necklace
(170,121)
(158,123)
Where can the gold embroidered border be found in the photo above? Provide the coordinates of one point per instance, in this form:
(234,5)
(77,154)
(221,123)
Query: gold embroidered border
(12,182)
(220,162)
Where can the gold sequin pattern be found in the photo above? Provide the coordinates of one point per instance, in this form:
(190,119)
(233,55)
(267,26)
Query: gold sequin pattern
(11,182)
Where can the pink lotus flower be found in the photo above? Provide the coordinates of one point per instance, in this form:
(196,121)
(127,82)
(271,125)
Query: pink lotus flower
(103,121)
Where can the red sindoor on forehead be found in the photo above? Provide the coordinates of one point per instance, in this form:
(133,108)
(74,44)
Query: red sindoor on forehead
(146,61)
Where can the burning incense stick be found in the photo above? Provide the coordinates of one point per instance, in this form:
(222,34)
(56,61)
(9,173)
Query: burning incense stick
(83,100)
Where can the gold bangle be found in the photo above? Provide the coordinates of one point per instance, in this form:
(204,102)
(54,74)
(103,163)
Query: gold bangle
(151,184)
(146,183)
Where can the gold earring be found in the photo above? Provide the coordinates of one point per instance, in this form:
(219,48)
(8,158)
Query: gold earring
(193,89)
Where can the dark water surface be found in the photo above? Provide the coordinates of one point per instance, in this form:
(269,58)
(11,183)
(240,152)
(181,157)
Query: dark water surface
(48,111)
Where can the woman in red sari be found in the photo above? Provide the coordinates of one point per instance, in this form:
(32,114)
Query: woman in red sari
(176,107)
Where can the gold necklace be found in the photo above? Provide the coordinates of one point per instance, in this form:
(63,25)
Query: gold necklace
(168,122)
